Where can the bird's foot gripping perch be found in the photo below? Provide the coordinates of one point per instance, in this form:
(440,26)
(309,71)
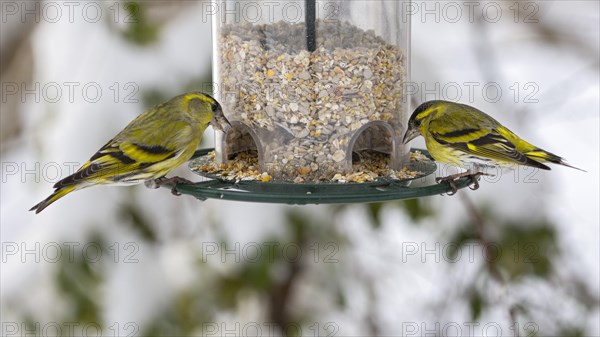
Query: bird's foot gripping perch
(451,180)
(174,181)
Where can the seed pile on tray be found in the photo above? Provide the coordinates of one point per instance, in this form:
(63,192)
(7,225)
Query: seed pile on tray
(368,166)
(305,106)
(243,167)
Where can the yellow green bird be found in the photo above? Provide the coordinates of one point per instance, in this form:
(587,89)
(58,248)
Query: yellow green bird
(147,149)
(463,136)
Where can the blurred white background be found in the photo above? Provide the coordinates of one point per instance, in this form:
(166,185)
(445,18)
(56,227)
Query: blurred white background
(134,261)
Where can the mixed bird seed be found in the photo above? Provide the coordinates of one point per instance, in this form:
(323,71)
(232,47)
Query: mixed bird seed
(305,107)
(367,167)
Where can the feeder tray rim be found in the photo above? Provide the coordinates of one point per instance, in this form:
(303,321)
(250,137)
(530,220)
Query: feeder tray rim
(319,193)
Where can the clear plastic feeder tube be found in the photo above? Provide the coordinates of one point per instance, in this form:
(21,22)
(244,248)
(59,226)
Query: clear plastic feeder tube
(308,83)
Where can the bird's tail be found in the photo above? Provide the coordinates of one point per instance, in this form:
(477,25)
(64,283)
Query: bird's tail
(541,155)
(59,193)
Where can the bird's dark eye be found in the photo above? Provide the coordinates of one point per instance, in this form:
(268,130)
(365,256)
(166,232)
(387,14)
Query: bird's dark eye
(214,107)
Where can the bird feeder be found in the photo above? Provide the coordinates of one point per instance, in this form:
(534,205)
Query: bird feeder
(309,87)
(307,83)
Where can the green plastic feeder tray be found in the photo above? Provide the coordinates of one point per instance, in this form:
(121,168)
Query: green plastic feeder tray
(383,189)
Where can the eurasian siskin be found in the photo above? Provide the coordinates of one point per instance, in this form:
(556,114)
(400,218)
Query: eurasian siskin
(147,149)
(460,135)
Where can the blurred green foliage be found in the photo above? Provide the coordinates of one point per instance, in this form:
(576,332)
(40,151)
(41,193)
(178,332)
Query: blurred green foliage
(133,215)
(416,209)
(154,96)
(476,304)
(139,30)
(521,249)
(528,250)
(185,315)
(532,248)
(573,332)
(191,311)
(79,277)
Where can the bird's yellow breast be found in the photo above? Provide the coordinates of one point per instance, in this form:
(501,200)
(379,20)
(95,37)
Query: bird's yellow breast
(444,154)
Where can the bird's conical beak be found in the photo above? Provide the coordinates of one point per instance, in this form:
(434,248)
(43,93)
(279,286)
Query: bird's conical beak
(410,134)
(219,121)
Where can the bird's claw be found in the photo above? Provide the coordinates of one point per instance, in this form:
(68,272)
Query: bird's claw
(475,182)
(174,181)
(451,180)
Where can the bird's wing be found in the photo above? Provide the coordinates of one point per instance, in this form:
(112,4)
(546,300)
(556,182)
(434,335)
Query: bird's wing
(131,152)
(477,134)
